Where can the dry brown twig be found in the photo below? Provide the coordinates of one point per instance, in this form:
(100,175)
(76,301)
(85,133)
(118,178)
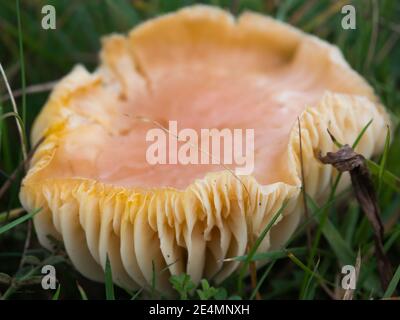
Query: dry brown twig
(36,88)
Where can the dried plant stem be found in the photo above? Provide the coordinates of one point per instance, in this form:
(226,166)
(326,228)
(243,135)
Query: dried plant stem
(326,14)
(36,88)
(303,188)
(253,277)
(252,264)
(159,125)
(11,214)
(296,17)
(26,245)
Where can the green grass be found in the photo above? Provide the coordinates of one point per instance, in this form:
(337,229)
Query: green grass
(110,295)
(255,247)
(18,221)
(32,56)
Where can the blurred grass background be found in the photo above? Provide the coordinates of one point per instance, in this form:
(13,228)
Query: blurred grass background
(373,49)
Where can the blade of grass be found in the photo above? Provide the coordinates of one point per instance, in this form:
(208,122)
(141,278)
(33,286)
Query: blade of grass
(6,150)
(109,281)
(18,221)
(306,292)
(18,118)
(284,8)
(350,223)
(392,239)
(307,270)
(56,295)
(136,295)
(389,178)
(271,255)
(261,281)
(374,35)
(361,134)
(382,164)
(255,247)
(334,238)
(393,284)
(14,105)
(22,61)
(81,292)
(313,215)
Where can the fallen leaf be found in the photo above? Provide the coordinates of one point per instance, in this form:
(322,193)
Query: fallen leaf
(346,159)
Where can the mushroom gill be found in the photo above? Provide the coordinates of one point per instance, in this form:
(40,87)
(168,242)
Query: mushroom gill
(202,68)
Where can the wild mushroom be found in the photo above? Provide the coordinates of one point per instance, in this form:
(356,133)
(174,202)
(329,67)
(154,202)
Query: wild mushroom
(204,69)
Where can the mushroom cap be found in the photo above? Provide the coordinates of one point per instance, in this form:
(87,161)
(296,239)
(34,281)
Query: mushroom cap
(207,69)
